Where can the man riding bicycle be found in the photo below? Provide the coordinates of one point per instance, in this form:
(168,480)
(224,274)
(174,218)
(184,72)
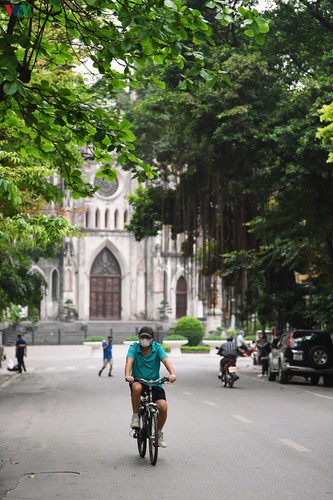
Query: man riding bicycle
(143,361)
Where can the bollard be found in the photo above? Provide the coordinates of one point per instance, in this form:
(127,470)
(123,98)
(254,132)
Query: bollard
(59,336)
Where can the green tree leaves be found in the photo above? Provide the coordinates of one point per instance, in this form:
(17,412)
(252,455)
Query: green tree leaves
(252,188)
(48,110)
(256,26)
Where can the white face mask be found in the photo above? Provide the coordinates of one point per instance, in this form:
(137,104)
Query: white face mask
(145,342)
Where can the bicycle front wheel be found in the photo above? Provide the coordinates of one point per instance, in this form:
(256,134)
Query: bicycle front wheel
(153,438)
(141,437)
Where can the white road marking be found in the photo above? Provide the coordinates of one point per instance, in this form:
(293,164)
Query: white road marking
(210,403)
(92,367)
(319,395)
(70,367)
(187,393)
(292,444)
(242,419)
(50,368)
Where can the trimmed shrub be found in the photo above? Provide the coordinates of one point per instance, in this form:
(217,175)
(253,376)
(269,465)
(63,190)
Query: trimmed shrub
(174,337)
(195,348)
(94,338)
(191,328)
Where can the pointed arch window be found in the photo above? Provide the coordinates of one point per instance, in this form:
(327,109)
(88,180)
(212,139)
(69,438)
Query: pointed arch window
(181,298)
(107,219)
(97,218)
(116,219)
(55,285)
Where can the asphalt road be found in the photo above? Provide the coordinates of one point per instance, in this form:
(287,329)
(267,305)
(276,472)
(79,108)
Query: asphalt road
(65,434)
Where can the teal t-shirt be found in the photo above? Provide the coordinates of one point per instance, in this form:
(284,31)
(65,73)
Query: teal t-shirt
(147,367)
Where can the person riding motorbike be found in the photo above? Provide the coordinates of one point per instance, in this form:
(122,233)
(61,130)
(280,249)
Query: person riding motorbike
(228,351)
(243,349)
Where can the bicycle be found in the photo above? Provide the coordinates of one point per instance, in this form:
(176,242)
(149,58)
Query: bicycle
(147,432)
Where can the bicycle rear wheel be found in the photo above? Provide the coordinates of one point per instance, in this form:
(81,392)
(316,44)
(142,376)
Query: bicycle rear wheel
(141,436)
(153,438)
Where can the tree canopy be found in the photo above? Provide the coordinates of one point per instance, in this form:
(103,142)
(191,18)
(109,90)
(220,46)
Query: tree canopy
(49,110)
(243,173)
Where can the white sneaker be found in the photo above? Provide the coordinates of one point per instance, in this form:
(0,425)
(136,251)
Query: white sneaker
(161,441)
(135,421)
(260,375)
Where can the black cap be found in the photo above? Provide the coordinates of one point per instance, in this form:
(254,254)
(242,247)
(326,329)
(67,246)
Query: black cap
(147,331)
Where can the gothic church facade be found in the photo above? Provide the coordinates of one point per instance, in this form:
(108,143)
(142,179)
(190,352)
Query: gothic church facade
(106,274)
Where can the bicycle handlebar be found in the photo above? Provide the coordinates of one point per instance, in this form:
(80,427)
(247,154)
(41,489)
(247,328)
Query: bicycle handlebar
(152,382)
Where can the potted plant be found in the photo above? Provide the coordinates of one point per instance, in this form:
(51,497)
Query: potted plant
(175,341)
(70,311)
(164,310)
(95,344)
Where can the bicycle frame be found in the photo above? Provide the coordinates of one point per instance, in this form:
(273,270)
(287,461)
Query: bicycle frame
(148,418)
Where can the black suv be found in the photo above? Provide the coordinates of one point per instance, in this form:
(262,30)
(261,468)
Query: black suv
(305,353)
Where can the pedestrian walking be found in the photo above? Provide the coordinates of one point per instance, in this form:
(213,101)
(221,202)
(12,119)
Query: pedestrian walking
(107,356)
(265,349)
(21,351)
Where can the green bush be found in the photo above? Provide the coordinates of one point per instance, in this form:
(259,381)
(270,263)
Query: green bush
(94,338)
(133,338)
(232,331)
(195,348)
(174,337)
(213,337)
(191,328)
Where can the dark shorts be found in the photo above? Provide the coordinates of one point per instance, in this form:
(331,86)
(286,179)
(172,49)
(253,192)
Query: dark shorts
(158,392)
